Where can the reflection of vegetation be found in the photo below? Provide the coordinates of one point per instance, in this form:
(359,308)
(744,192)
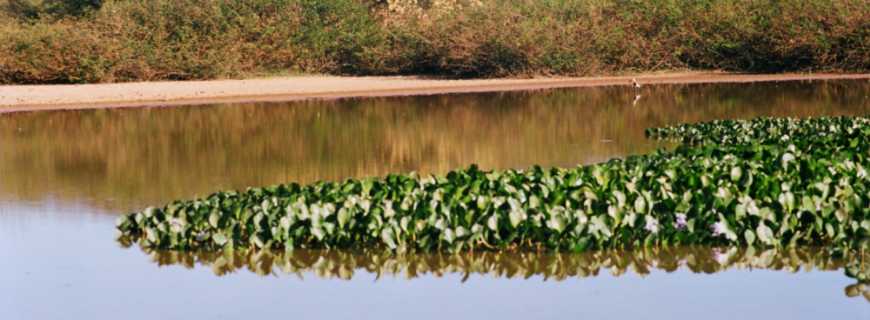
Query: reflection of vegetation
(548,265)
(147,156)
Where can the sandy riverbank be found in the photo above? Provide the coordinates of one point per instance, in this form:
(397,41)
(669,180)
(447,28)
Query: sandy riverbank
(88,96)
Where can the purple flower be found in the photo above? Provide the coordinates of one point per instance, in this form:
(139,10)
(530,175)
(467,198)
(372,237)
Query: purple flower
(681,221)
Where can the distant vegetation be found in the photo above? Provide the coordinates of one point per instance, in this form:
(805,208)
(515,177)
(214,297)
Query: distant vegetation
(80,41)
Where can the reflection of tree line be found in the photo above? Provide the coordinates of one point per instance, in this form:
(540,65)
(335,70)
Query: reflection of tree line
(155,155)
(343,264)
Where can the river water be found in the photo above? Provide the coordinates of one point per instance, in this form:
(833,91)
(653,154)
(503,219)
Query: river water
(66,175)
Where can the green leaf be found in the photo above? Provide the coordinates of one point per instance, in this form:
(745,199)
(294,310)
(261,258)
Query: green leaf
(344,215)
(807,204)
(740,211)
(736,173)
(258,241)
(749,236)
(516,217)
(492,222)
(639,205)
(620,198)
(318,233)
(599,226)
(285,223)
(461,232)
(841,215)
(766,214)
(219,239)
(152,236)
(449,236)
(388,237)
(765,234)
(121,222)
(727,229)
(214,219)
(556,223)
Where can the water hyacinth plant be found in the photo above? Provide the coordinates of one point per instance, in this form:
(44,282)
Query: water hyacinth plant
(763,182)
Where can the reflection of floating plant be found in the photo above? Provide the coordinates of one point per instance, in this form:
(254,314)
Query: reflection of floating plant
(344,264)
(766,182)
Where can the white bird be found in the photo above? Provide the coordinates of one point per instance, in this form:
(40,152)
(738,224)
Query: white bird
(636,84)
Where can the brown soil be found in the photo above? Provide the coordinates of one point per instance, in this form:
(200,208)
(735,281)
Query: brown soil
(55,97)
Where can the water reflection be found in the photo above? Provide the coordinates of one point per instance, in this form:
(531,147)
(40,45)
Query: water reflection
(122,160)
(554,266)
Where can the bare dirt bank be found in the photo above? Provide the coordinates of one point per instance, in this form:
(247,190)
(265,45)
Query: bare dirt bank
(55,97)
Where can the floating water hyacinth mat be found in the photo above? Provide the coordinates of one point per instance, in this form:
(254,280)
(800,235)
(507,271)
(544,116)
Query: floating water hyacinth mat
(762,182)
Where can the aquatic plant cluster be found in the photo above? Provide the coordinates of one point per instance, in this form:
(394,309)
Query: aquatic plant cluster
(763,182)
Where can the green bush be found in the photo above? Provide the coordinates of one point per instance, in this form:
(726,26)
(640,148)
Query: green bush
(56,53)
(201,39)
(53,9)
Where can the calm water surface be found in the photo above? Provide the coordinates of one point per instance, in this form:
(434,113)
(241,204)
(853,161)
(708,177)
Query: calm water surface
(65,176)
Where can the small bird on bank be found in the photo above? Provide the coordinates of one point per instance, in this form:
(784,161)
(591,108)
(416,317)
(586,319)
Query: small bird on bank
(636,86)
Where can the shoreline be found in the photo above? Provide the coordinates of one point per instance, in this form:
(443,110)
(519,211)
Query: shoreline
(23,98)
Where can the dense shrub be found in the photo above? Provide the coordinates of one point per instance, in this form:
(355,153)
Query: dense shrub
(56,53)
(36,9)
(200,39)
